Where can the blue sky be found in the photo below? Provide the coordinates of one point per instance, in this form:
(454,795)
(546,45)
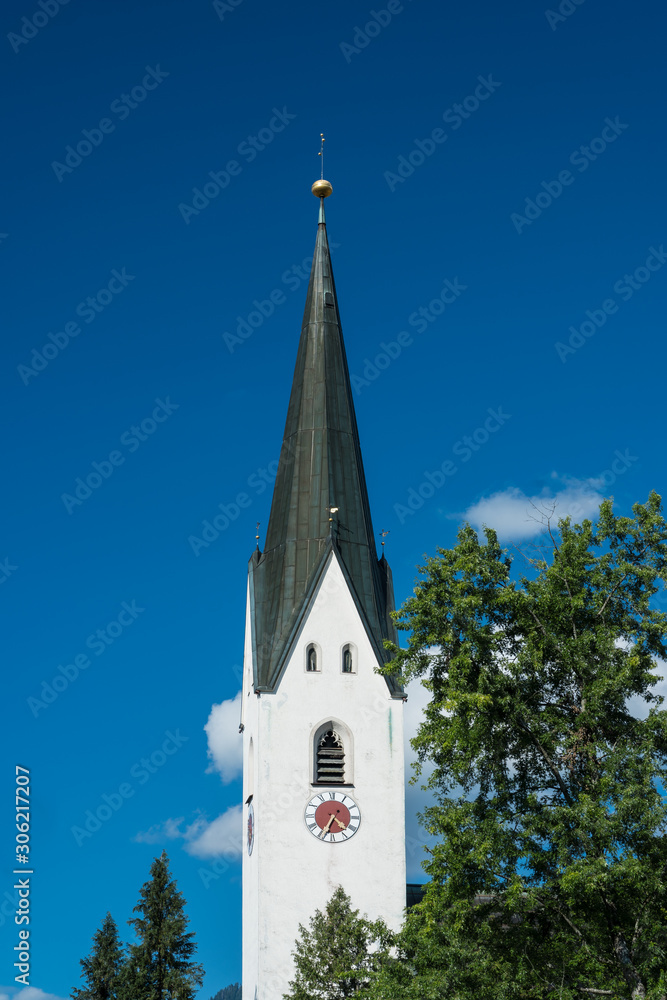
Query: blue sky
(499,233)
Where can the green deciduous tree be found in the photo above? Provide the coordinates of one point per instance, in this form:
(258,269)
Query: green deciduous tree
(160,966)
(102,970)
(550,875)
(337,955)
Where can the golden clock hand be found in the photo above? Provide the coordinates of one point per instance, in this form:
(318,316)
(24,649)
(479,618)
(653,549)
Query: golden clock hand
(326,828)
(343,826)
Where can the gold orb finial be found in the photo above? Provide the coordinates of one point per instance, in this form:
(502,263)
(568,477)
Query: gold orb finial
(321,188)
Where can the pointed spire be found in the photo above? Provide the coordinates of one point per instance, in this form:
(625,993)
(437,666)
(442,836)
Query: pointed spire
(320,502)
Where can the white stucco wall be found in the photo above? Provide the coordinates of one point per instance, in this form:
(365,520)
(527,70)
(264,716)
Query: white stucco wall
(290,873)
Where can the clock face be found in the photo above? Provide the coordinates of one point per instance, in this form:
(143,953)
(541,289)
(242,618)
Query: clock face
(333,817)
(251,828)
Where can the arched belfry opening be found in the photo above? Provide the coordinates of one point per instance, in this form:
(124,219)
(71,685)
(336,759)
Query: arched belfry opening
(332,756)
(331,759)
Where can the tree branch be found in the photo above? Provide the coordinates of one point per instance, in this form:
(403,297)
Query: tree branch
(552,768)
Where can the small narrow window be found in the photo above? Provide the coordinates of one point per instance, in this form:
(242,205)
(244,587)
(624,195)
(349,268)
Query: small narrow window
(328,299)
(331,759)
(311,659)
(348,661)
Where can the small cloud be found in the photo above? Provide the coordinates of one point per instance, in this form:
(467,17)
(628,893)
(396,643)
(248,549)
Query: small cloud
(416,798)
(640,708)
(516,516)
(26,993)
(225,746)
(415,706)
(221,837)
(169,830)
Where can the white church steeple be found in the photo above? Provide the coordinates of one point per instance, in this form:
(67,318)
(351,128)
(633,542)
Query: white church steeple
(323,731)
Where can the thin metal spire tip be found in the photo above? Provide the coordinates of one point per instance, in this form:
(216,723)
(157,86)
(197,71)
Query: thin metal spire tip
(321,188)
(321,153)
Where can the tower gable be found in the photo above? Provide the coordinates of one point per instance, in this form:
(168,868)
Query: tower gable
(262,646)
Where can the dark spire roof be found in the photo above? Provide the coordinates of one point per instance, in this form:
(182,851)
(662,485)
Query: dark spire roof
(320,467)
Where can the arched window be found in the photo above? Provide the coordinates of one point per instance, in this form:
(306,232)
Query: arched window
(332,753)
(312,665)
(331,759)
(347,663)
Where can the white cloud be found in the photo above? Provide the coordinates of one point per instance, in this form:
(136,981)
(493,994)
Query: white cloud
(169,830)
(26,993)
(418,699)
(225,746)
(640,708)
(416,799)
(516,516)
(221,837)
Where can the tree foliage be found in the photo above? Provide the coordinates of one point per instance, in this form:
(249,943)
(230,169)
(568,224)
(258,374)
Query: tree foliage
(159,966)
(102,970)
(232,992)
(339,952)
(161,961)
(550,874)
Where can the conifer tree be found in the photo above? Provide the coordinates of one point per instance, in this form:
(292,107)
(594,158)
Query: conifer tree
(160,965)
(232,992)
(102,970)
(337,956)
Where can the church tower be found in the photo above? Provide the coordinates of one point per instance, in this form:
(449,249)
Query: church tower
(323,757)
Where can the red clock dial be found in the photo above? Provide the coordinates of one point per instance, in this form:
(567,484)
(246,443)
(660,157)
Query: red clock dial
(332,817)
(250,830)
